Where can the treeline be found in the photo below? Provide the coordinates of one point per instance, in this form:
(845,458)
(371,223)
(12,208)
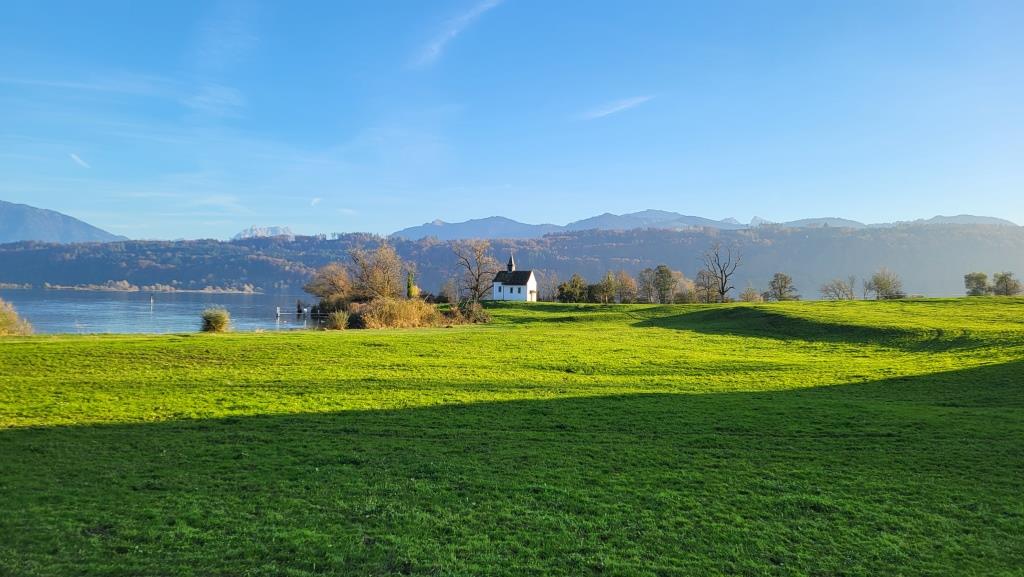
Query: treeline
(663,285)
(924,257)
(1003,284)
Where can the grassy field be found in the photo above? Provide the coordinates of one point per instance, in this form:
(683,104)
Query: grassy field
(792,439)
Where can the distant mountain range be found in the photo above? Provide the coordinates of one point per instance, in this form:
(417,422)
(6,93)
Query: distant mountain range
(20,222)
(501,227)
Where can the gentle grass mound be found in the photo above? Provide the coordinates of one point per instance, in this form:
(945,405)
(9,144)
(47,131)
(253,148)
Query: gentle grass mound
(852,439)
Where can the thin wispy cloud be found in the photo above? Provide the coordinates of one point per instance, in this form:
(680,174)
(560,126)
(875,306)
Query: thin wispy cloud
(130,84)
(315,201)
(78,160)
(347,211)
(615,107)
(433,50)
(217,100)
(226,36)
(228,203)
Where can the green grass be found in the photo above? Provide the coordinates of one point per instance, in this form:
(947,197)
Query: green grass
(792,439)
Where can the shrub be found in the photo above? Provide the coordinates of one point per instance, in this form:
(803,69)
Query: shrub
(216,320)
(386,313)
(10,322)
(473,312)
(337,320)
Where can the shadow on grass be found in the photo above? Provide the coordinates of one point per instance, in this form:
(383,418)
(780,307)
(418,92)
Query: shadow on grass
(754,321)
(912,476)
(556,313)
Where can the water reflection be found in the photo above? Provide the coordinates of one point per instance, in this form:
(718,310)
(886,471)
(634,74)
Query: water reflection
(53,311)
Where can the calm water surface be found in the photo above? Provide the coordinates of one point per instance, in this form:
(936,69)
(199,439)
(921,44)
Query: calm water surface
(57,311)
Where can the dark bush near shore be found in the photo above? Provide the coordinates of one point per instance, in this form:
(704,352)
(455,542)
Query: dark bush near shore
(216,320)
(470,312)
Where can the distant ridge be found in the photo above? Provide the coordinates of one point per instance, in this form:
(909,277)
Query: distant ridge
(958,219)
(495,227)
(490,227)
(21,222)
(264,232)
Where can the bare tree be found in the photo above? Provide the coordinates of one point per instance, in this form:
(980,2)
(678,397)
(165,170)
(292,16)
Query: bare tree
(478,267)
(547,285)
(332,285)
(1003,284)
(721,265)
(645,286)
(378,273)
(625,287)
(685,292)
(450,291)
(604,290)
(750,295)
(840,290)
(705,286)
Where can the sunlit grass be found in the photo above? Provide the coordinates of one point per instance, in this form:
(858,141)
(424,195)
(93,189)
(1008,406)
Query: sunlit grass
(797,438)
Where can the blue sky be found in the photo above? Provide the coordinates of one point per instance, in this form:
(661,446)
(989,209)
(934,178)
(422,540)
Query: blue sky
(197,119)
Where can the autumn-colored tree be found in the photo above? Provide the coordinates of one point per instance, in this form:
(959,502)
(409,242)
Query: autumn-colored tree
(377,273)
(332,285)
(625,287)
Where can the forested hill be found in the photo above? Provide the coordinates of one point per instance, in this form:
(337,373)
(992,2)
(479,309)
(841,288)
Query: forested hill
(931,260)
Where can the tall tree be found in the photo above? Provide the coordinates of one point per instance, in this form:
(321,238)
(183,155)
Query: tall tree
(411,290)
(332,285)
(574,290)
(884,285)
(721,264)
(664,284)
(684,289)
(706,287)
(478,267)
(645,286)
(625,287)
(1003,284)
(604,291)
(378,273)
(781,288)
(547,284)
(976,284)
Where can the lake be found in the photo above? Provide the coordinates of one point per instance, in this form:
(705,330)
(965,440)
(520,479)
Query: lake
(66,311)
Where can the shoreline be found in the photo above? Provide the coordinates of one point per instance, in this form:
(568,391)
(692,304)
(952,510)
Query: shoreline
(102,289)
